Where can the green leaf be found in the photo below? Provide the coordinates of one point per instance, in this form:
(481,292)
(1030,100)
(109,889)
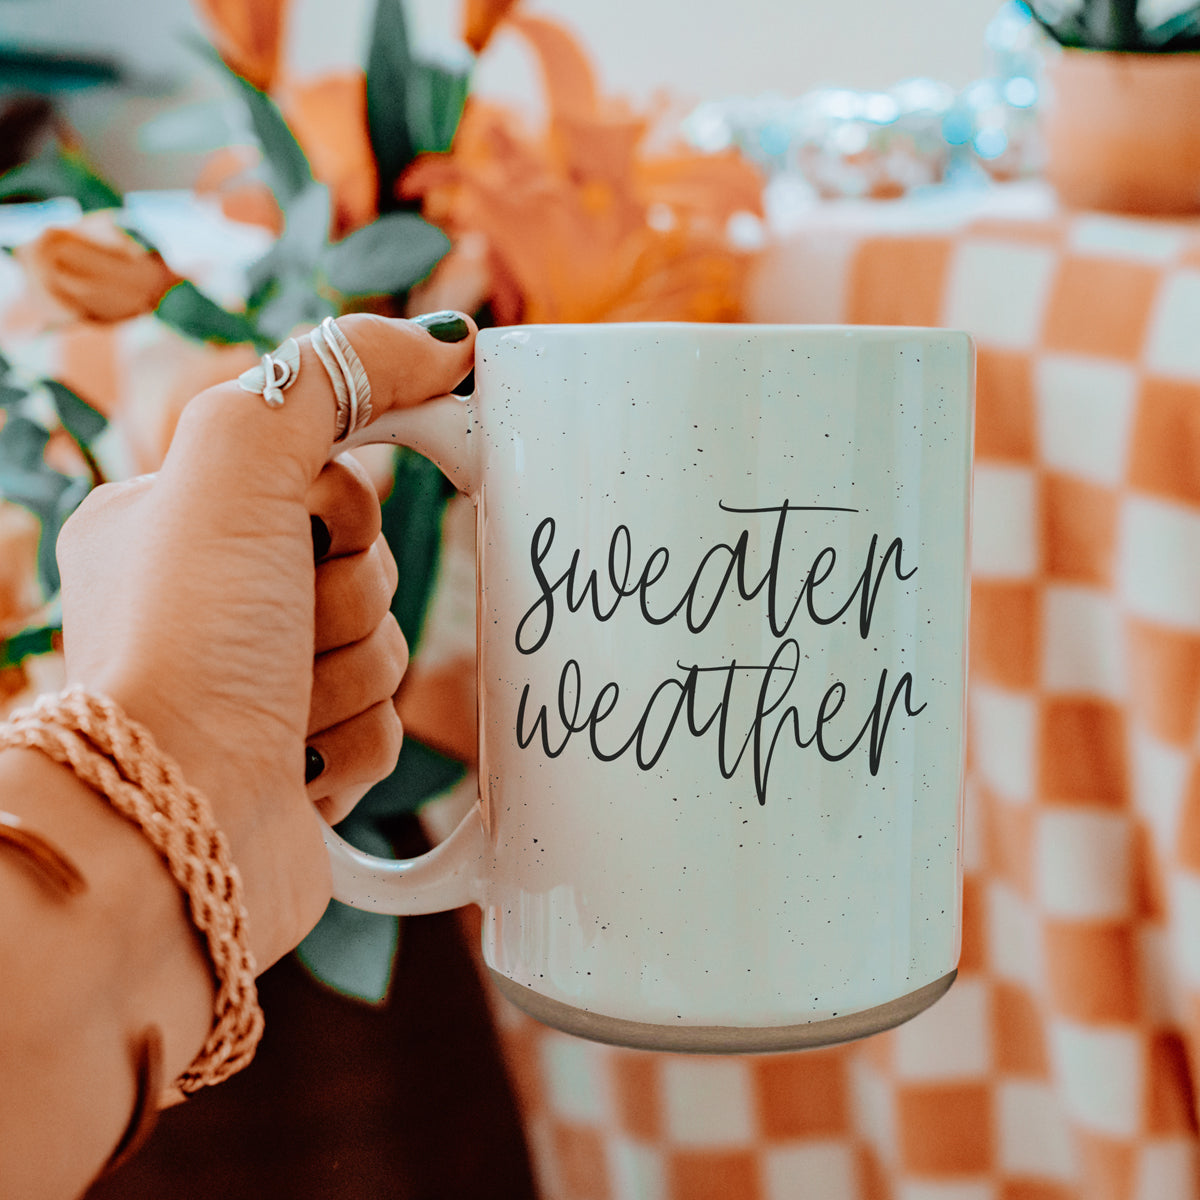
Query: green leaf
(23,445)
(436,95)
(10,395)
(421,774)
(386,257)
(78,417)
(293,301)
(389,64)
(352,951)
(69,499)
(58,172)
(288,172)
(287,167)
(1179,33)
(298,249)
(27,644)
(49,73)
(412,525)
(188,310)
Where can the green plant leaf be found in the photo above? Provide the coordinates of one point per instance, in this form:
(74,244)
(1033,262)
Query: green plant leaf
(58,172)
(412,525)
(10,395)
(436,95)
(28,643)
(23,445)
(389,64)
(293,301)
(386,257)
(188,310)
(298,248)
(421,774)
(285,161)
(78,417)
(352,951)
(1177,34)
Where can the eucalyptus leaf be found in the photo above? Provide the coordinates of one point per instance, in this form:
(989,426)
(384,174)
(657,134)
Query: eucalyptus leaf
(51,72)
(28,643)
(10,395)
(421,774)
(386,257)
(412,525)
(348,950)
(58,172)
(189,311)
(389,65)
(436,95)
(68,500)
(293,302)
(1180,32)
(298,248)
(286,164)
(78,417)
(23,444)
(352,951)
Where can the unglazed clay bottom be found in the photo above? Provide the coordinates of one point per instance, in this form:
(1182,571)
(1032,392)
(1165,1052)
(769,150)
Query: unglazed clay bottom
(721,1039)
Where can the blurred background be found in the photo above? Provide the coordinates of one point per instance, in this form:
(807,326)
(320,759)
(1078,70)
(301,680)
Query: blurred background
(640,49)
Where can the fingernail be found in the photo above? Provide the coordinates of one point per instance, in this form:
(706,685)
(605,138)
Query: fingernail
(446,326)
(467,386)
(321,538)
(314,764)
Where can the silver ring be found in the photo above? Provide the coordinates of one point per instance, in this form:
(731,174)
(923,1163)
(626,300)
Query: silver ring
(346,374)
(275,373)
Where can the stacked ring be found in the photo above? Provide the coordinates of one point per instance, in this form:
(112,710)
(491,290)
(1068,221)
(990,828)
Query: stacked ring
(346,374)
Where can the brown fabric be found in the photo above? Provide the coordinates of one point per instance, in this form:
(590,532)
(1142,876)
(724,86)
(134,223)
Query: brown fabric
(408,1101)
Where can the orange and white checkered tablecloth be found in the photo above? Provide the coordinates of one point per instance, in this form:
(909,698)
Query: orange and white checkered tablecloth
(1062,1064)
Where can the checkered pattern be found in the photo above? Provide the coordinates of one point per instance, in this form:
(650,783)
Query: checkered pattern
(1060,1065)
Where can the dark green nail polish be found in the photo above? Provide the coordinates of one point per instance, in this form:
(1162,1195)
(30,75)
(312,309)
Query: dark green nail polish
(314,764)
(321,538)
(445,326)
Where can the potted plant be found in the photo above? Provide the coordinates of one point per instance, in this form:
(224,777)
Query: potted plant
(1122,93)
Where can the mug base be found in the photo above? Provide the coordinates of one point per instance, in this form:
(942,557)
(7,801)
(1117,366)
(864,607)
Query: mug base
(721,1039)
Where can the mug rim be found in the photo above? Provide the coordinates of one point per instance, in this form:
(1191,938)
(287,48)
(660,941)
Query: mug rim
(733,330)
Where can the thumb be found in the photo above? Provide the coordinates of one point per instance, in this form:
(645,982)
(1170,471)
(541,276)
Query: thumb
(253,450)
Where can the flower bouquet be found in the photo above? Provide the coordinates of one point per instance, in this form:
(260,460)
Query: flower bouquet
(387,188)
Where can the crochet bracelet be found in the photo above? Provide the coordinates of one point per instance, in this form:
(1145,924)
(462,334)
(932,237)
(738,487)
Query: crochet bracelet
(118,758)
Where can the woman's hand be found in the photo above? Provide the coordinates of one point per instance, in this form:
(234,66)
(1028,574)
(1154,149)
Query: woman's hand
(190,598)
(354,733)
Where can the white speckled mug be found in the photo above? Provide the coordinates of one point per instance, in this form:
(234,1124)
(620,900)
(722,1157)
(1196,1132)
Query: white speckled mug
(723,581)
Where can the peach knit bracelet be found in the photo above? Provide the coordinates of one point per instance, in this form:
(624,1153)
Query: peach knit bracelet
(117,757)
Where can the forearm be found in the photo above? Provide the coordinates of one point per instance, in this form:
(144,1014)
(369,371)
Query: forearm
(82,978)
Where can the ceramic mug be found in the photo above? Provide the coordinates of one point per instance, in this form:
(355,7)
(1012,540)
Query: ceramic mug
(722,614)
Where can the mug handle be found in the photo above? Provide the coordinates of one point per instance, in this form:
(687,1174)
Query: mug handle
(446,431)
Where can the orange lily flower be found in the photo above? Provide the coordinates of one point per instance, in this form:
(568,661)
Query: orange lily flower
(582,223)
(94,271)
(479,21)
(224,178)
(328,115)
(247,35)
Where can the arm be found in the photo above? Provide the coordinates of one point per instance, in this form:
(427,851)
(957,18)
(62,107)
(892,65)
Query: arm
(190,599)
(82,977)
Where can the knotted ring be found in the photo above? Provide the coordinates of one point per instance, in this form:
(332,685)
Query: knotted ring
(275,373)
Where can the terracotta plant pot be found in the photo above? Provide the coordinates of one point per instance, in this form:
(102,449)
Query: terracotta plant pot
(1122,131)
